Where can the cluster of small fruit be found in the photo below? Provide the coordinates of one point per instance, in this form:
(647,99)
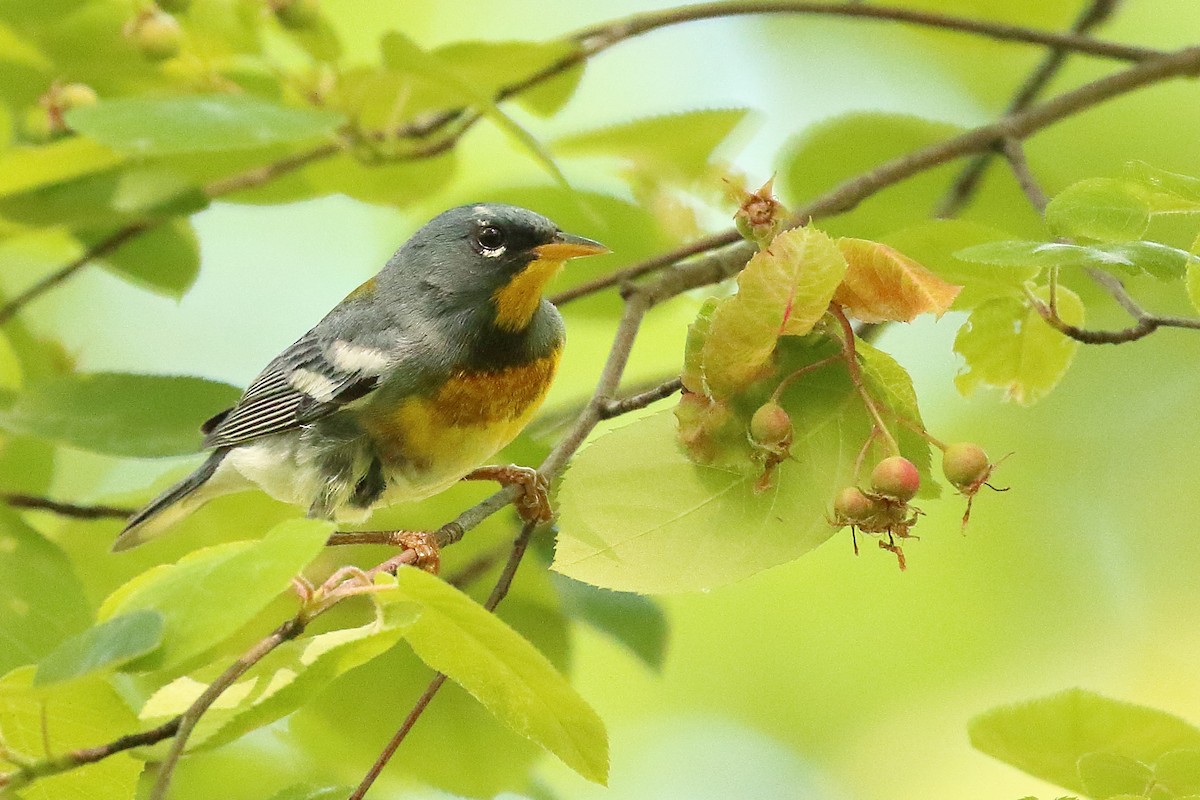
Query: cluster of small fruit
(157,33)
(884,509)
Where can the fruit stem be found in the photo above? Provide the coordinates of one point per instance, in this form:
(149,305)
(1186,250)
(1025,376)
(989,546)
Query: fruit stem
(790,379)
(862,454)
(924,434)
(850,353)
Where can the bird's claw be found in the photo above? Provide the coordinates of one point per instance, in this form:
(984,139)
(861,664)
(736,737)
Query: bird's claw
(424,544)
(533,502)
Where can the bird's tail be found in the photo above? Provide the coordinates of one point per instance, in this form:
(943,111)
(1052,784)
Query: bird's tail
(172,505)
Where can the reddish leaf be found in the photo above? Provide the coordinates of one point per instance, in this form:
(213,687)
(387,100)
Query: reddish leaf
(884,284)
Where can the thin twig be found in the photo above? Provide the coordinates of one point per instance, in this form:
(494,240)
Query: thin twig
(969,179)
(21,500)
(615,408)
(1014,153)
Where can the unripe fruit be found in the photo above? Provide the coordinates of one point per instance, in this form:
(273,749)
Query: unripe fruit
(771,426)
(298,14)
(896,478)
(965,465)
(851,505)
(76,95)
(158,35)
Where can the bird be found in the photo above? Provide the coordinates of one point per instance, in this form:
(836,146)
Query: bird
(408,385)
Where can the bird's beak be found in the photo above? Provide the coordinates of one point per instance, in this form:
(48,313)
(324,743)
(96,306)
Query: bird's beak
(568,245)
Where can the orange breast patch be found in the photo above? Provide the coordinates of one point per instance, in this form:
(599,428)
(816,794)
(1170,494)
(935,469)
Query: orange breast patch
(480,399)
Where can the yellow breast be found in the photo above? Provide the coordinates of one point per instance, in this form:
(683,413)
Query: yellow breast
(433,441)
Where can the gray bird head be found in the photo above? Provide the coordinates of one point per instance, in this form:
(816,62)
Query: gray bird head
(489,258)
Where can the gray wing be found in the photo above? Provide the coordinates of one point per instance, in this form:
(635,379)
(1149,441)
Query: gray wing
(311,379)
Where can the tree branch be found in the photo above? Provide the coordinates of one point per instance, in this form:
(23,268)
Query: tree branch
(964,187)
(20,500)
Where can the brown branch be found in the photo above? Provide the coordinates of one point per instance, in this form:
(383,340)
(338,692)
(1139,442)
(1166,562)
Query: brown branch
(965,186)
(20,500)
(634,402)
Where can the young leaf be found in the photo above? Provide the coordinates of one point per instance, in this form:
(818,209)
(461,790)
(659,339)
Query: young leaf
(934,243)
(663,524)
(210,593)
(121,414)
(105,646)
(165,259)
(284,680)
(636,622)
(1159,260)
(1006,344)
(503,671)
(1182,191)
(1106,775)
(784,289)
(1020,253)
(42,600)
(1047,737)
(1106,209)
(890,384)
(24,169)
(678,144)
(1179,772)
(884,284)
(78,714)
(155,126)
(493,66)
(1192,275)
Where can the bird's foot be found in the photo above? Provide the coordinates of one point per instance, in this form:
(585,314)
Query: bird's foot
(425,545)
(533,502)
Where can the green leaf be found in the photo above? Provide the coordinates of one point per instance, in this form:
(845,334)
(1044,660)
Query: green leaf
(634,621)
(308,791)
(1106,775)
(1179,772)
(107,199)
(1156,260)
(41,601)
(70,716)
(121,414)
(934,243)
(211,593)
(890,384)
(199,123)
(678,145)
(285,679)
(1021,253)
(1007,345)
(23,169)
(1046,737)
(107,645)
(492,66)
(663,524)
(1192,276)
(1182,191)
(1159,260)
(784,289)
(504,672)
(1100,208)
(164,259)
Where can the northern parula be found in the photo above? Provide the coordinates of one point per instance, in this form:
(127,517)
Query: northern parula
(420,375)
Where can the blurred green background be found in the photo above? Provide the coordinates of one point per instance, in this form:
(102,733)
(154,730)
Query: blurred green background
(835,676)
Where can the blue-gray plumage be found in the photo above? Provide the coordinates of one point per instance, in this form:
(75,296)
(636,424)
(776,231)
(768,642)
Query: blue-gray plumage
(420,375)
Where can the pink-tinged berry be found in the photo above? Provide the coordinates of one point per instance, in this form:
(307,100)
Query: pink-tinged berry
(157,34)
(966,466)
(896,478)
(76,95)
(852,506)
(771,427)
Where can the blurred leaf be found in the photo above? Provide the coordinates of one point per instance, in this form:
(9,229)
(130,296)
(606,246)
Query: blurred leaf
(109,198)
(1099,208)
(26,465)
(1192,275)
(635,622)
(101,647)
(198,123)
(41,600)
(402,54)
(883,284)
(320,40)
(217,30)
(285,679)
(398,183)
(23,169)
(210,593)
(79,714)
(891,385)
(164,259)
(492,66)
(310,792)
(504,672)
(1159,260)
(678,144)
(1179,772)
(784,289)
(1106,775)
(663,524)
(934,243)
(1047,737)
(121,414)
(1007,345)
(17,49)
(1183,188)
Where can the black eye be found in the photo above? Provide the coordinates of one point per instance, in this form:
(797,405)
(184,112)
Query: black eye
(490,238)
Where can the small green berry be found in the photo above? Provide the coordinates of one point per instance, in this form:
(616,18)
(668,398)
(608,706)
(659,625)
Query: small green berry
(851,506)
(965,465)
(158,35)
(896,478)
(771,427)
